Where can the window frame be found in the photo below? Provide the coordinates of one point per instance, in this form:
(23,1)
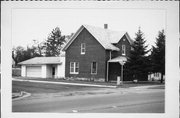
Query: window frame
(123,49)
(92,68)
(74,66)
(83,48)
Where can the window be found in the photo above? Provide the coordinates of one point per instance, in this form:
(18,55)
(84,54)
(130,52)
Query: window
(123,50)
(124,39)
(74,68)
(83,48)
(132,48)
(93,68)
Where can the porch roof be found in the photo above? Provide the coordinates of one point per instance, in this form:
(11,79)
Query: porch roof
(118,59)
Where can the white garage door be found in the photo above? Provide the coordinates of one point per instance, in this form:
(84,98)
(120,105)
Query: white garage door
(33,71)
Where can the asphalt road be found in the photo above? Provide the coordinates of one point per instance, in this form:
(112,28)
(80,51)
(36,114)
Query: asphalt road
(109,101)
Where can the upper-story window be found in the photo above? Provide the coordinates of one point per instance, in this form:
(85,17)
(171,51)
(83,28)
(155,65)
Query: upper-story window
(94,68)
(83,48)
(74,68)
(132,48)
(124,39)
(123,49)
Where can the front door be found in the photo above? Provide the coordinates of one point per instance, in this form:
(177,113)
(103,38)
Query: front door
(53,72)
(114,71)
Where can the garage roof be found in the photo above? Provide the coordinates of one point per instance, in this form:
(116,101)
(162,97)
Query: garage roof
(41,60)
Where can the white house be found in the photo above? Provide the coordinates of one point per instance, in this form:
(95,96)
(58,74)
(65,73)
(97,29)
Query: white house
(155,77)
(43,67)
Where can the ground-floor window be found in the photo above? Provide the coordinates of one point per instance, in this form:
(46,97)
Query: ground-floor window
(74,68)
(94,68)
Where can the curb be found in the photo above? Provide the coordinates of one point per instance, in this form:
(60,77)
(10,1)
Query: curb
(22,96)
(146,87)
(64,83)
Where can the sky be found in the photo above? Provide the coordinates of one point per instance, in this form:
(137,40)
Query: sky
(36,24)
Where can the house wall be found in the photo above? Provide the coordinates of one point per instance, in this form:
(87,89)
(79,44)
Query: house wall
(49,71)
(119,45)
(44,71)
(115,68)
(23,71)
(94,52)
(61,68)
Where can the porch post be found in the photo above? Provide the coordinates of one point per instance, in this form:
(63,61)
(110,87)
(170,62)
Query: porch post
(107,70)
(122,73)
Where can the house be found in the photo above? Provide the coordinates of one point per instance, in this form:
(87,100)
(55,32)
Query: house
(95,53)
(155,77)
(43,67)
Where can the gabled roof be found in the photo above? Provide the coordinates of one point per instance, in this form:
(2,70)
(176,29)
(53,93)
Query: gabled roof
(105,37)
(41,60)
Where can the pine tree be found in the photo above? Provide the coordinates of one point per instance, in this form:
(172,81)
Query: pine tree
(54,43)
(158,55)
(137,64)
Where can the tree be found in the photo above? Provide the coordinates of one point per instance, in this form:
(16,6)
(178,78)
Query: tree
(20,54)
(39,47)
(158,55)
(54,43)
(17,54)
(137,64)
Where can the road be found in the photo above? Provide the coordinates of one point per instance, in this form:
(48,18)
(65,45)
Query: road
(115,101)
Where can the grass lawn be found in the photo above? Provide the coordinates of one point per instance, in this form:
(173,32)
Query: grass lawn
(32,87)
(125,85)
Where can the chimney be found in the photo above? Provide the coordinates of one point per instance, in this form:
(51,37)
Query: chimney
(105,26)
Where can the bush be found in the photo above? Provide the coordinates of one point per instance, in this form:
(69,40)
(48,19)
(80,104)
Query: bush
(16,72)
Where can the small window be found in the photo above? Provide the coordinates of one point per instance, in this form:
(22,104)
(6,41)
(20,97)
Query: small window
(123,50)
(74,68)
(83,48)
(124,39)
(93,68)
(132,48)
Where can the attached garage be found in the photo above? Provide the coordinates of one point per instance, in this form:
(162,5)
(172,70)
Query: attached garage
(43,67)
(33,71)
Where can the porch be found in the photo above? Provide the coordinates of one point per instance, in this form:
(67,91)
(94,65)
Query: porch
(115,68)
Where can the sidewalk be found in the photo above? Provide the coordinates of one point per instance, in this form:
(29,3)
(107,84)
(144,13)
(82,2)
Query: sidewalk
(65,83)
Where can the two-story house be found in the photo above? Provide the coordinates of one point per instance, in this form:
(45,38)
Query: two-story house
(94,53)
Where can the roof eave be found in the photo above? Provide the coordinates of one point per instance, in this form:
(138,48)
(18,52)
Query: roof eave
(73,38)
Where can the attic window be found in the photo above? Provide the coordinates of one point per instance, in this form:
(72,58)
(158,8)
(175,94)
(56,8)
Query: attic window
(83,48)
(123,50)
(124,39)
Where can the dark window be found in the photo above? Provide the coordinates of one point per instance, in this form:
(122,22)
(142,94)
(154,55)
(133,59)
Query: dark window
(93,68)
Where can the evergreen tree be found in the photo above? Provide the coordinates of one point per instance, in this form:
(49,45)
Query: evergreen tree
(158,55)
(54,43)
(137,64)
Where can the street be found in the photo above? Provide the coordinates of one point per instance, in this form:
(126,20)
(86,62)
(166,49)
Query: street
(99,100)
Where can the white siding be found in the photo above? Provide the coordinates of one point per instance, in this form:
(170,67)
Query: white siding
(44,71)
(49,71)
(61,68)
(23,71)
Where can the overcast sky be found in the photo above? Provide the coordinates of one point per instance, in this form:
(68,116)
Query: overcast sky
(36,24)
